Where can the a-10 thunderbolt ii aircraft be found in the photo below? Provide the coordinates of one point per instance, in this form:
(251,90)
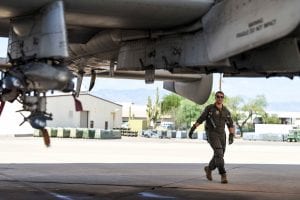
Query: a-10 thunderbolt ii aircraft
(181,42)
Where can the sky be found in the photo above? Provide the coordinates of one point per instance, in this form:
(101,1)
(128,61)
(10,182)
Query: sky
(275,89)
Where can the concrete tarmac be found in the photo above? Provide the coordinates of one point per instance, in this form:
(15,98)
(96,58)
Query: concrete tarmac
(141,168)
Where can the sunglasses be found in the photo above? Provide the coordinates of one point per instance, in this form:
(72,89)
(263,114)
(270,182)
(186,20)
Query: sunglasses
(220,97)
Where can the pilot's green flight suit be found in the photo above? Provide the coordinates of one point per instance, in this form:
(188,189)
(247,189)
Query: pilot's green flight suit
(215,130)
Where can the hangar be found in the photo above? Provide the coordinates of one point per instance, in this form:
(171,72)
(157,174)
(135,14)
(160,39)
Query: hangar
(97,112)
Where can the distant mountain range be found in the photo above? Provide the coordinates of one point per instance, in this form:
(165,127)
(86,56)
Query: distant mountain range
(140,97)
(137,96)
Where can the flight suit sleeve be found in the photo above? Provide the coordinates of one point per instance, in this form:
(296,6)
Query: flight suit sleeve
(203,116)
(229,121)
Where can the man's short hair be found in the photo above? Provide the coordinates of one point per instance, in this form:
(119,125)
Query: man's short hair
(219,92)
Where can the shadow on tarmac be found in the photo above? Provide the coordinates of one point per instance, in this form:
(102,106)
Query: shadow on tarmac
(146,181)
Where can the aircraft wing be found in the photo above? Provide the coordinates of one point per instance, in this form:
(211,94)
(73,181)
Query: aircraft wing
(89,17)
(51,41)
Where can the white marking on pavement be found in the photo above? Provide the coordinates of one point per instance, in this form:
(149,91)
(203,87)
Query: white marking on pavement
(156,196)
(61,196)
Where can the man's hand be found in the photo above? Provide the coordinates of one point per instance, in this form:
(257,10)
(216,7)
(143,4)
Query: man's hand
(230,139)
(192,131)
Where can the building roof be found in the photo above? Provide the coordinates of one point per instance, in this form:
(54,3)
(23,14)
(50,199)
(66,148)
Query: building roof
(81,94)
(286,114)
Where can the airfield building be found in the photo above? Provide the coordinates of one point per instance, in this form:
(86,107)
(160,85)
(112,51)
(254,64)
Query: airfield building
(97,112)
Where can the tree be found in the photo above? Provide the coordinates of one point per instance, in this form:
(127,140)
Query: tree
(189,111)
(270,119)
(169,103)
(242,111)
(156,108)
(235,106)
(257,105)
(149,111)
(153,110)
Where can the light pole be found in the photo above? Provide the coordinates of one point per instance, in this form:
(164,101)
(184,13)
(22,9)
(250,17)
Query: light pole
(130,111)
(220,82)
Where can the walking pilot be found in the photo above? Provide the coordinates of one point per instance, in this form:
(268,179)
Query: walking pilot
(216,116)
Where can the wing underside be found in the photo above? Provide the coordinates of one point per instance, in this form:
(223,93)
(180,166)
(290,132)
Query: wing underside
(116,14)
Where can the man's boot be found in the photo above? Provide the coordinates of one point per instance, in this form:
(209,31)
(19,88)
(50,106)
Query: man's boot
(208,173)
(224,179)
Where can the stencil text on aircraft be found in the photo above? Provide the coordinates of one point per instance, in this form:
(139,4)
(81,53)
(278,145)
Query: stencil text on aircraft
(256,26)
